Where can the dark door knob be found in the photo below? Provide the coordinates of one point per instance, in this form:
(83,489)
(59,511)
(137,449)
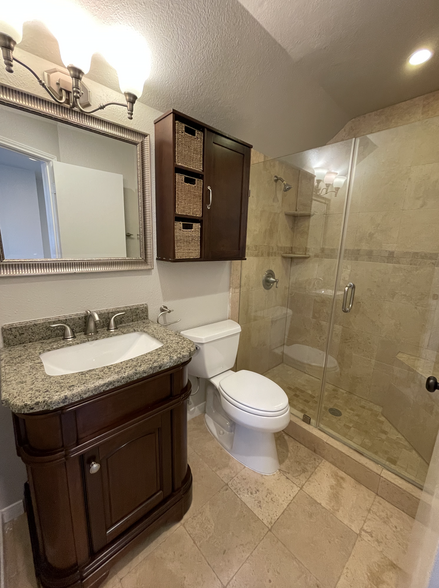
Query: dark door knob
(431,384)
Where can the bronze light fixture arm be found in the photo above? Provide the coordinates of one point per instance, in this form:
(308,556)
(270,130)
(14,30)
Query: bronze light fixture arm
(7,45)
(52,94)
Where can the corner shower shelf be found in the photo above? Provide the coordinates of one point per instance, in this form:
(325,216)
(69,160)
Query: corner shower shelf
(298,214)
(295,256)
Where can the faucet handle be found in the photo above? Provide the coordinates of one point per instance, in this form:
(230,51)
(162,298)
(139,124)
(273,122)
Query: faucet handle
(69,334)
(112,326)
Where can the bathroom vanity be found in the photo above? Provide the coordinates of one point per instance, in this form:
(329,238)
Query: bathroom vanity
(105,450)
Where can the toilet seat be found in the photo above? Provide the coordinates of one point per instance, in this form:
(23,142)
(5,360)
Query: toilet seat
(254,394)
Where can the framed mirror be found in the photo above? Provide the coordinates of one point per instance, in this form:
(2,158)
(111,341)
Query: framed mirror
(75,191)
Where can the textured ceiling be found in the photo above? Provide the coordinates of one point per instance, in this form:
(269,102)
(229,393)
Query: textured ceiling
(284,75)
(357,50)
(214,61)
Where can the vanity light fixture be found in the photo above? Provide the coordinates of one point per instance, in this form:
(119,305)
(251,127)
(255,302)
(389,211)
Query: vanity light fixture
(76,55)
(320,173)
(338,183)
(420,56)
(332,181)
(329,178)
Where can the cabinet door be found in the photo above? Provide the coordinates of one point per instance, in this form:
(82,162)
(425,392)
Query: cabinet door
(134,476)
(227,167)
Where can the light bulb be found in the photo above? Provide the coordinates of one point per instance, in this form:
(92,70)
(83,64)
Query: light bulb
(320,173)
(129,54)
(420,56)
(11,22)
(339,181)
(75,30)
(12,29)
(330,177)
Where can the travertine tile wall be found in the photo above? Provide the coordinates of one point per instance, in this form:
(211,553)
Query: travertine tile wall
(312,280)
(263,314)
(388,345)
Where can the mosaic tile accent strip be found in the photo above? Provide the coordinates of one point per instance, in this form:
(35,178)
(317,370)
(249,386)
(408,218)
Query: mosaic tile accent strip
(267,250)
(418,258)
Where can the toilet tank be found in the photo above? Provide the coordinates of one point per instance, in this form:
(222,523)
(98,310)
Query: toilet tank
(217,346)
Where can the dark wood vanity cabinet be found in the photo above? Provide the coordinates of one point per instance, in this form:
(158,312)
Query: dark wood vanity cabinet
(202,191)
(103,474)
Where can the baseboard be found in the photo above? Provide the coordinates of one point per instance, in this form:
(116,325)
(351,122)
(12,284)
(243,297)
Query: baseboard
(9,513)
(196,411)
(12,512)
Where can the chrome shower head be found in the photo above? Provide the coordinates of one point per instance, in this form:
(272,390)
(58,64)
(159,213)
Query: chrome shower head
(286,186)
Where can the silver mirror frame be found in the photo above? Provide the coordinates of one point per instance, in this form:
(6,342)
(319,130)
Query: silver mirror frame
(38,267)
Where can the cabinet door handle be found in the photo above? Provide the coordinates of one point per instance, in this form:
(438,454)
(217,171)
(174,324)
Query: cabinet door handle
(94,467)
(210,197)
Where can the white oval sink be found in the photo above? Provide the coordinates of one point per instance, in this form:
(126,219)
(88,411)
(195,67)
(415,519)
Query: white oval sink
(95,354)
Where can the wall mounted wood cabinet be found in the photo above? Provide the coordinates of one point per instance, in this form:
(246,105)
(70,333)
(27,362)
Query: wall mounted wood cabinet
(104,473)
(202,190)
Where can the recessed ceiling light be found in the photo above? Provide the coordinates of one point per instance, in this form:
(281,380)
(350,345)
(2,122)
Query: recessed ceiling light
(420,56)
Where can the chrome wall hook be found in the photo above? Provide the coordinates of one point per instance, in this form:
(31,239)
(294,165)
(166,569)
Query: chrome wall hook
(165,310)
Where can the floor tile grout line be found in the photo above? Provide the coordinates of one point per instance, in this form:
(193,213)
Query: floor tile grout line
(368,513)
(249,555)
(174,528)
(199,510)
(298,559)
(348,560)
(203,556)
(286,477)
(247,507)
(332,512)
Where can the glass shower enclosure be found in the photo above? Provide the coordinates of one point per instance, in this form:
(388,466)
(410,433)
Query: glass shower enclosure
(351,330)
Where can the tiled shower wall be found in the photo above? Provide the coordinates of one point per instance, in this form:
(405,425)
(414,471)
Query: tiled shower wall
(388,345)
(392,257)
(263,314)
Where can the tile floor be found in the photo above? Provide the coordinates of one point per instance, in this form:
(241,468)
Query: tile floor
(361,422)
(308,526)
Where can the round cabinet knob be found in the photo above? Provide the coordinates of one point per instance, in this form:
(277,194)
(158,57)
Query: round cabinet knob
(431,384)
(94,467)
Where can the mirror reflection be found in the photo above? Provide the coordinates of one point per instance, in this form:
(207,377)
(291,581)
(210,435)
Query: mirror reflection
(65,193)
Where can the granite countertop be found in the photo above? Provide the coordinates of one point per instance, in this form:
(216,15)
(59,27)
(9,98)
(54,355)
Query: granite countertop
(26,388)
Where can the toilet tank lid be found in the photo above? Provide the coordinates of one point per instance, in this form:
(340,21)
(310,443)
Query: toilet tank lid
(212,332)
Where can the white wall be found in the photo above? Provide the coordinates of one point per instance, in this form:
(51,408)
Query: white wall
(197,291)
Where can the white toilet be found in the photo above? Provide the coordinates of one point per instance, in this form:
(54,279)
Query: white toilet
(243,409)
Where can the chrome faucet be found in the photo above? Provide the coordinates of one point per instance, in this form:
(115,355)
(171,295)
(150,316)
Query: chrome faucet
(92,319)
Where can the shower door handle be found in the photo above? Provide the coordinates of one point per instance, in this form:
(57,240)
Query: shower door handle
(349,289)
(431,384)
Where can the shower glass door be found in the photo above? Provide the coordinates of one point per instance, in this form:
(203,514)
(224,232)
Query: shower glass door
(294,228)
(383,343)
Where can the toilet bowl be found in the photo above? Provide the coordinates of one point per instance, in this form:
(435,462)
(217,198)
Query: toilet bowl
(243,409)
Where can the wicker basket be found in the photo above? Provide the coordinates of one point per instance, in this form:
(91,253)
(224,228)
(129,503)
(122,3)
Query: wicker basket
(187,240)
(188,195)
(188,146)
